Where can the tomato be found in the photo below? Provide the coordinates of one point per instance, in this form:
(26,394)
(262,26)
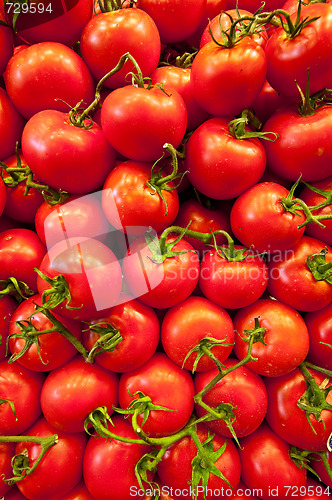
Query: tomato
(109,464)
(163,113)
(20,206)
(7,47)
(80,492)
(175,468)
(268,101)
(126,188)
(11,126)
(7,451)
(54,349)
(285,335)
(319,324)
(185,324)
(292,281)
(54,22)
(290,421)
(165,284)
(175,19)
(267,466)
(259,220)
(241,388)
(317,464)
(92,272)
(140,331)
(38,75)
(232,284)
(7,307)
(64,459)
(77,216)
(227,80)
(312,199)
(220,165)
(110,35)
(154,379)
(21,251)
(15,494)
(64,156)
(288,57)
(22,387)
(314,490)
(61,396)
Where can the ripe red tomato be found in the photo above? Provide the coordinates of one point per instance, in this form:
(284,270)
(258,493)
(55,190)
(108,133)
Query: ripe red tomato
(286,337)
(154,379)
(319,324)
(220,165)
(38,75)
(22,387)
(11,126)
(7,47)
(80,492)
(185,324)
(107,36)
(54,349)
(163,113)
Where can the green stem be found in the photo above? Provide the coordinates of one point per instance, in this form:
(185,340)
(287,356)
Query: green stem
(205,238)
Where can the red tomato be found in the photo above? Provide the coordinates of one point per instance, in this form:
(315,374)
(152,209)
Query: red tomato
(291,281)
(175,468)
(15,494)
(175,19)
(126,188)
(7,307)
(55,350)
(267,466)
(140,331)
(22,387)
(64,459)
(21,251)
(268,101)
(317,464)
(46,71)
(80,492)
(125,110)
(7,47)
(64,156)
(312,199)
(110,35)
(227,80)
(185,324)
(11,126)
(92,272)
(319,324)
(7,451)
(220,165)
(232,284)
(163,284)
(61,397)
(285,335)
(109,464)
(290,421)
(259,220)
(241,388)
(154,379)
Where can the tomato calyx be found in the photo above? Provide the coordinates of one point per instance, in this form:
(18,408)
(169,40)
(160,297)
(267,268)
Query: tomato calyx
(20,463)
(301,459)
(236,32)
(109,338)
(320,268)
(113,5)
(257,333)
(54,296)
(237,127)
(11,404)
(204,348)
(313,401)
(17,289)
(30,334)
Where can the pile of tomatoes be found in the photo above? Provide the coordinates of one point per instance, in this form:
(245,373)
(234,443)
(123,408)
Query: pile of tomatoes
(165,249)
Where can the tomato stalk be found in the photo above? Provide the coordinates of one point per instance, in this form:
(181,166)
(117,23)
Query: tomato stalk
(280,17)
(237,127)
(18,289)
(109,338)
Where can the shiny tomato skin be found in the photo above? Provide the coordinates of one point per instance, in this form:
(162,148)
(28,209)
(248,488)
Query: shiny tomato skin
(64,156)
(259,220)
(107,36)
(46,71)
(312,199)
(21,251)
(268,101)
(80,492)
(7,306)
(167,385)
(55,350)
(65,459)
(286,337)
(266,464)
(125,188)
(139,328)
(241,388)
(109,464)
(288,420)
(221,166)
(319,324)
(185,324)
(7,47)
(291,282)
(11,126)
(302,142)
(227,80)
(22,387)
(164,116)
